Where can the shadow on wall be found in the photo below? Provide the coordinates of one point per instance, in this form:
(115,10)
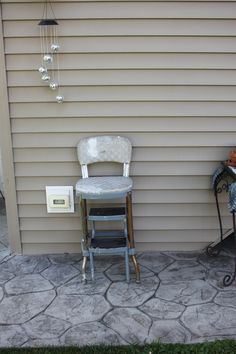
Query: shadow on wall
(4,243)
(1,177)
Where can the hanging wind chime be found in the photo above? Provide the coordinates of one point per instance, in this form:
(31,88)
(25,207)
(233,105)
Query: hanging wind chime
(50,69)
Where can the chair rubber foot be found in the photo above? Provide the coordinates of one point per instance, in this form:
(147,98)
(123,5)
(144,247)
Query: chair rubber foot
(84,279)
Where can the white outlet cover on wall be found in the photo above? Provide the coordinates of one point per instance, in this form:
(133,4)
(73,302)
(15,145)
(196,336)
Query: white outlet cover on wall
(60,199)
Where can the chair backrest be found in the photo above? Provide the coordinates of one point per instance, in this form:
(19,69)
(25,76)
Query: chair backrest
(104,149)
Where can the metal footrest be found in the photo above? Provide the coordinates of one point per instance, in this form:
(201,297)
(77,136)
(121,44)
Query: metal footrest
(108,242)
(107,214)
(108,233)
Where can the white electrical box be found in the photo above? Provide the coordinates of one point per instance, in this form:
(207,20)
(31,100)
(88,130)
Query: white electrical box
(60,199)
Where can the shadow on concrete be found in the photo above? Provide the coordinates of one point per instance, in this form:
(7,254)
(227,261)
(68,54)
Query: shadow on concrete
(3,227)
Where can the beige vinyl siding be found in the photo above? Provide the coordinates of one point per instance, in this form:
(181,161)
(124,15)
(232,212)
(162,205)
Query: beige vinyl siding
(1,174)
(126,9)
(162,73)
(129,44)
(130,77)
(129,61)
(141,27)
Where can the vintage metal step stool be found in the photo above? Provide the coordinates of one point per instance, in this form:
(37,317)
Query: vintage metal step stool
(106,149)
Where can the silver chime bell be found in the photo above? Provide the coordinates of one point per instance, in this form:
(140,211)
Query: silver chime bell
(45,77)
(53,85)
(59,99)
(47,58)
(55,47)
(42,70)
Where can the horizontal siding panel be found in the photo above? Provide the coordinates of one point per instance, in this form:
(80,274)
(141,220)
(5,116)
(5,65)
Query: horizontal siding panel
(128,77)
(180,154)
(49,224)
(174,196)
(73,236)
(45,154)
(124,124)
(50,169)
(126,109)
(39,183)
(143,182)
(122,27)
(126,9)
(141,210)
(185,210)
(146,196)
(137,168)
(171,246)
(51,248)
(158,236)
(179,223)
(169,236)
(126,93)
(84,1)
(163,139)
(140,223)
(127,44)
(128,61)
(138,154)
(167,182)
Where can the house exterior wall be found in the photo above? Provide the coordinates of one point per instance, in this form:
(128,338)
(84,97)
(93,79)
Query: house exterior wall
(1,173)
(160,73)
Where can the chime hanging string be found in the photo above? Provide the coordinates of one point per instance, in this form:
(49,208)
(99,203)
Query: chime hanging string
(43,40)
(57,62)
(41,43)
(46,36)
(49,3)
(45,29)
(52,37)
(45,10)
(58,77)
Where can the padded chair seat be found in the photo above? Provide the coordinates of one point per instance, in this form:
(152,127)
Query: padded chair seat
(104,186)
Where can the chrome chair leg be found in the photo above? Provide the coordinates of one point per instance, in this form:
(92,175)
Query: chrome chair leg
(127,266)
(84,263)
(131,234)
(91,264)
(136,267)
(83,217)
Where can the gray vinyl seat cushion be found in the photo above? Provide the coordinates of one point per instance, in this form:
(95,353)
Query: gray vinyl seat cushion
(104,186)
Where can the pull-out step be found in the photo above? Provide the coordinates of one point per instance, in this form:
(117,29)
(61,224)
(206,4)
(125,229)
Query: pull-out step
(108,233)
(107,242)
(107,214)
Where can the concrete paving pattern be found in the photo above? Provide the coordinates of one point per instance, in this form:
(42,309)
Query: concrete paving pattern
(180,299)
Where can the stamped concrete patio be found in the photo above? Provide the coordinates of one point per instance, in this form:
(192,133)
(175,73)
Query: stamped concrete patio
(180,299)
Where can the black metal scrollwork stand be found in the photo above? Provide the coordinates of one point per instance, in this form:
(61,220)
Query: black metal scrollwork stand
(229,278)
(220,184)
(222,181)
